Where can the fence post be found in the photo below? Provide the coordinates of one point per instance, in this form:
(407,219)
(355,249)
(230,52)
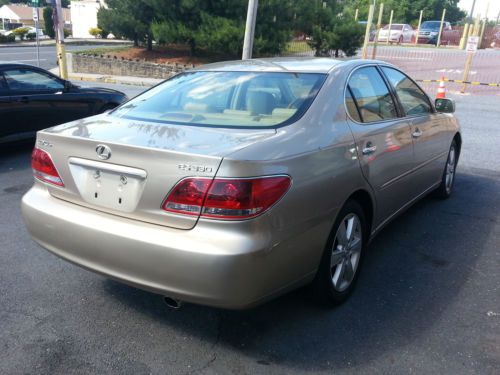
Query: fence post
(418,28)
(481,36)
(367,32)
(390,26)
(470,55)
(441,28)
(463,39)
(379,24)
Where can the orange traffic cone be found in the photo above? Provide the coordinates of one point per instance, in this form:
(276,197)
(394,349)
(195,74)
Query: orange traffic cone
(441,94)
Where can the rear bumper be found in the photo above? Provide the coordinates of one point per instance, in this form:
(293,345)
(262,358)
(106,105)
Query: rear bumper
(391,39)
(237,267)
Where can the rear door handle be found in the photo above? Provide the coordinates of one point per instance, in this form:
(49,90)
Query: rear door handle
(369,149)
(417,133)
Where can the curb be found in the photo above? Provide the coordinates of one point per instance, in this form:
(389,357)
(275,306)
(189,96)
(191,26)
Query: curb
(67,43)
(110,79)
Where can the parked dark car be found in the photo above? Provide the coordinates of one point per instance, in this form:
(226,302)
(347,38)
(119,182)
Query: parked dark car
(32,99)
(429,31)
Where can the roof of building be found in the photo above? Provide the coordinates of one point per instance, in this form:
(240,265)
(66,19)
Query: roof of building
(23,12)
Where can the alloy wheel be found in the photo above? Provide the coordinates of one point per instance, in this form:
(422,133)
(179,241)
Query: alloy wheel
(346,252)
(450,169)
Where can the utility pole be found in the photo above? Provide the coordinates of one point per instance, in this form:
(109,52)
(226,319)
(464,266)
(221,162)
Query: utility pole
(249,29)
(59,29)
(472,9)
(36,18)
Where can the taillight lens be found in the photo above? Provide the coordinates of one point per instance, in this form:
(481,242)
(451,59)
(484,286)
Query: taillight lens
(230,199)
(187,196)
(43,167)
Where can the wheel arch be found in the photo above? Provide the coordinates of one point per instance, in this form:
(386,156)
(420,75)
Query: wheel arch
(458,139)
(366,202)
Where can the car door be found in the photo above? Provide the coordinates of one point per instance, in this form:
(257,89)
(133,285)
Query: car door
(428,129)
(407,33)
(383,139)
(6,126)
(40,99)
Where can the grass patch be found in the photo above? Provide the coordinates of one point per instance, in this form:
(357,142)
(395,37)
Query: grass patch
(297,46)
(102,50)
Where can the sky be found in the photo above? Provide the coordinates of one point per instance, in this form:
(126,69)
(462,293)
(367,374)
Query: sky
(480,7)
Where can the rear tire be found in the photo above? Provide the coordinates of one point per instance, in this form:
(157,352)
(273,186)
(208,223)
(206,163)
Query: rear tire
(445,189)
(342,258)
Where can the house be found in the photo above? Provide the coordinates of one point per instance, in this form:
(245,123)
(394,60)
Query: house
(84,16)
(22,15)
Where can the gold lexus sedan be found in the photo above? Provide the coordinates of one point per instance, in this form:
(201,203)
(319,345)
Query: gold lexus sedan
(235,182)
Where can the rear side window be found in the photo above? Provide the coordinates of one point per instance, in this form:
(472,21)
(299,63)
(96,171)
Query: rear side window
(371,95)
(412,98)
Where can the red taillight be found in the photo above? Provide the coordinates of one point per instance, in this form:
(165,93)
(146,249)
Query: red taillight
(43,167)
(187,196)
(226,198)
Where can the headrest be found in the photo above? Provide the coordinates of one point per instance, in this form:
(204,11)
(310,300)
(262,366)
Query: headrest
(260,102)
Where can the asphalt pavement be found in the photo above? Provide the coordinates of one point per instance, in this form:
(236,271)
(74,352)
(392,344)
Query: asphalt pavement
(48,56)
(427,302)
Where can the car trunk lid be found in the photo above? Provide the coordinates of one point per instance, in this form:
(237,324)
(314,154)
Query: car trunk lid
(127,168)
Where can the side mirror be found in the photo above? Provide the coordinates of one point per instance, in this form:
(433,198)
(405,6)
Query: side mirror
(67,85)
(445,105)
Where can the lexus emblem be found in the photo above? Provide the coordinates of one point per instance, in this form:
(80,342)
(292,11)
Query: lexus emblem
(103,152)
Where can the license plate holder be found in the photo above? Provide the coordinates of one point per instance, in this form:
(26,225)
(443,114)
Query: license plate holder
(106,185)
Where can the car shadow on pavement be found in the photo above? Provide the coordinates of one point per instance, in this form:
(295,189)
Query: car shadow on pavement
(413,271)
(9,155)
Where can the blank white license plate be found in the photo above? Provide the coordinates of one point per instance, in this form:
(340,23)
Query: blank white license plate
(107,185)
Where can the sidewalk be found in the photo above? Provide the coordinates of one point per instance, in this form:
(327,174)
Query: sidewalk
(68,41)
(121,80)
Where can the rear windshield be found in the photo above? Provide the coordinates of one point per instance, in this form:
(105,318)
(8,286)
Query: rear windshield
(226,99)
(431,25)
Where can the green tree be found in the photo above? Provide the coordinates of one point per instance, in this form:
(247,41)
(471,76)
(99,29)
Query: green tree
(131,19)
(218,25)
(330,26)
(48,22)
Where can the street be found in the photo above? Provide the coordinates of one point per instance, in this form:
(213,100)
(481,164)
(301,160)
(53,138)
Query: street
(48,59)
(427,302)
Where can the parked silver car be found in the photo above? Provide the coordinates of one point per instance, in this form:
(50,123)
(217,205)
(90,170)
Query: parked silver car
(235,182)
(396,33)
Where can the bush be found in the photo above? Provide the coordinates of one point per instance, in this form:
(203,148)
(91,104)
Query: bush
(31,36)
(219,35)
(21,32)
(67,32)
(7,38)
(96,32)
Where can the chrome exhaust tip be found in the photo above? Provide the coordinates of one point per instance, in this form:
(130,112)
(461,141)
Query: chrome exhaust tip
(172,302)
